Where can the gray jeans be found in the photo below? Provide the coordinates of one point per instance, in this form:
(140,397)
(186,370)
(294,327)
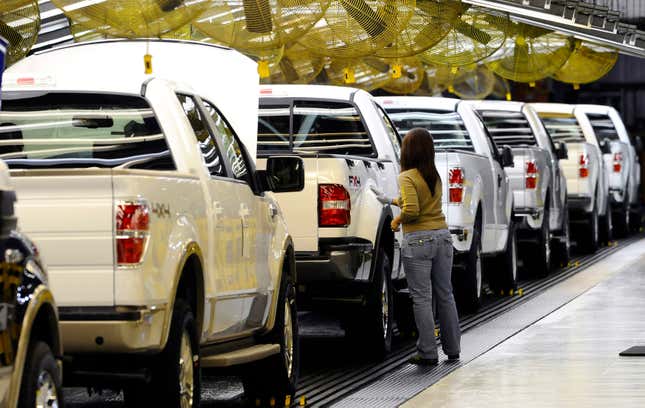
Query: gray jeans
(427,258)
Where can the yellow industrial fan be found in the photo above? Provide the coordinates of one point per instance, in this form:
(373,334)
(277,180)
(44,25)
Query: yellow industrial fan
(439,78)
(502,89)
(357,28)
(297,66)
(19,25)
(588,63)
(473,83)
(530,54)
(476,35)
(407,76)
(133,18)
(83,34)
(432,20)
(260,24)
(367,73)
(267,60)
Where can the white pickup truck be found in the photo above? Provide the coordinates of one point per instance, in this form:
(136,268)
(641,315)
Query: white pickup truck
(164,251)
(538,184)
(621,163)
(584,170)
(346,253)
(477,199)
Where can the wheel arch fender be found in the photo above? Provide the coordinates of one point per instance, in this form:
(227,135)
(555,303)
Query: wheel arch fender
(287,264)
(384,237)
(42,310)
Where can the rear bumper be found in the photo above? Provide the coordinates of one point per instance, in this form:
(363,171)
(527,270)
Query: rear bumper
(338,272)
(530,218)
(111,329)
(580,202)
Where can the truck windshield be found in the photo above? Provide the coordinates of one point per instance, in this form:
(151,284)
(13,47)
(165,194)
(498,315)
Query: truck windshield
(563,129)
(75,130)
(603,127)
(447,127)
(508,128)
(312,126)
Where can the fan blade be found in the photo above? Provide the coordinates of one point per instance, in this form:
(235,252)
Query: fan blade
(257,14)
(288,70)
(169,5)
(500,23)
(428,31)
(10,34)
(377,64)
(363,14)
(473,32)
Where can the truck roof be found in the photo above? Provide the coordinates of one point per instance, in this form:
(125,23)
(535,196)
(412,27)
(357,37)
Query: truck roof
(224,76)
(558,108)
(506,106)
(310,91)
(439,103)
(596,108)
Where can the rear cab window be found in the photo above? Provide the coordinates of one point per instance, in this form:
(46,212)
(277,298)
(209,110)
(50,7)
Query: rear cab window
(312,126)
(603,127)
(447,127)
(562,128)
(46,130)
(508,128)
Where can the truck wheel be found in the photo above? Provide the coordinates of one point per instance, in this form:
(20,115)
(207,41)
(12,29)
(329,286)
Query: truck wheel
(377,328)
(590,233)
(41,382)
(622,219)
(277,376)
(176,374)
(469,286)
(502,270)
(562,247)
(606,226)
(541,265)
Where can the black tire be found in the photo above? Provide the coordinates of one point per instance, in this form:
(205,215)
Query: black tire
(562,244)
(540,256)
(277,376)
(40,374)
(635,220)
(167,369)
(468,286)
(379,317)
(622,219)
(589,238)
(606,226)
(502,269)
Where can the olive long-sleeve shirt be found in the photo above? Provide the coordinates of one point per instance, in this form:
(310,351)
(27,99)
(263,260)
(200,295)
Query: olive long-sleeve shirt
(420,210)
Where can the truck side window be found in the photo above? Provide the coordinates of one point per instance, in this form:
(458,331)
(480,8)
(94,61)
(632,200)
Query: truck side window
(392,134)
(207,145)
(229,143)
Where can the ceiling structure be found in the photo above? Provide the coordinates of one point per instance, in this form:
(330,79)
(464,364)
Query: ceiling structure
(581,19)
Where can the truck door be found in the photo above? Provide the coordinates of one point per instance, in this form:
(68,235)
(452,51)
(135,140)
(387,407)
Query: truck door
(502,195)
(223,257)
(257,220)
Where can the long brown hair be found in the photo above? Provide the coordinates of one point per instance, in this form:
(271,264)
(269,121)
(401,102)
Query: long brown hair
(417,152)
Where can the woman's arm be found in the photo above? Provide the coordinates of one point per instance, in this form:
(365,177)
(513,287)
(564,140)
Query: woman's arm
(409,201)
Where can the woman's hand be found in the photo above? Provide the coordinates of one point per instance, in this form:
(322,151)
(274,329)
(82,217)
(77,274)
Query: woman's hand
(381,196)
(395,224)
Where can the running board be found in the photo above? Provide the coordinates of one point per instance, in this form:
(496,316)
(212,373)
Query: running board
(242,356)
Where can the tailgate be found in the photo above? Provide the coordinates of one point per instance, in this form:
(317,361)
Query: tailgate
(70,219)
(571,170)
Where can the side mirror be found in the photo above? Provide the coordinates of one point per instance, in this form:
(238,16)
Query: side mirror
(561,151)
(506,157)
(283,175)
(605,147)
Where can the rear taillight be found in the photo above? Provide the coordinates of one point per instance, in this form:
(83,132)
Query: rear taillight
(618,162)
(334,206)
(584,166)
(456,185)
(531,175)
(132,231)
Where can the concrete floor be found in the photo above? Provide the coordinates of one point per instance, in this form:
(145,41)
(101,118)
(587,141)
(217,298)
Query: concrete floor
(570,357)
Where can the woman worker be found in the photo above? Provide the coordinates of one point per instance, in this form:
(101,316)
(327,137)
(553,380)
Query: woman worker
(427,247)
